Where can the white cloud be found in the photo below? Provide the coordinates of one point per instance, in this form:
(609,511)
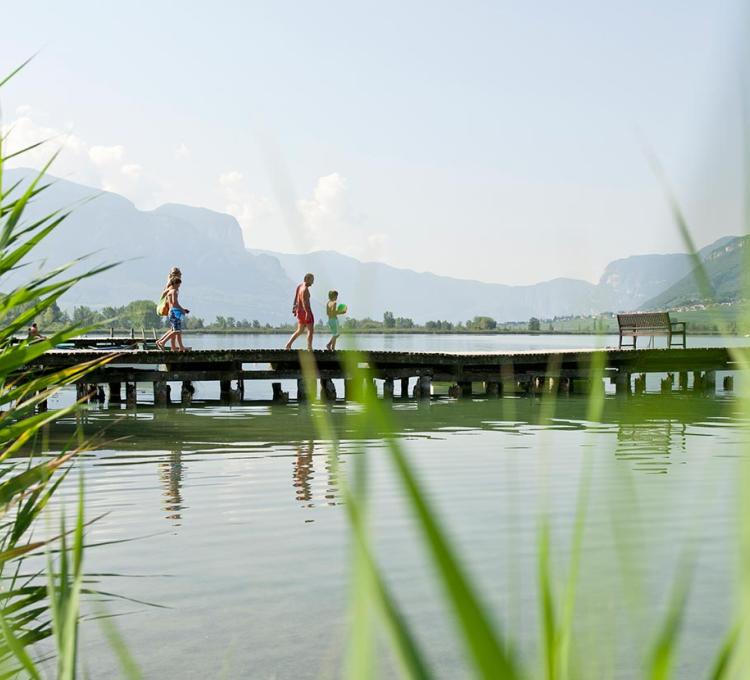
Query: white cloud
(104,166)
(323,221)
(230,178)
(132,170)
(182,152)
(105,155)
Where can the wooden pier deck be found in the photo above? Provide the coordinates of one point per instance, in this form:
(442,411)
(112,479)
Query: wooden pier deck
(499,372)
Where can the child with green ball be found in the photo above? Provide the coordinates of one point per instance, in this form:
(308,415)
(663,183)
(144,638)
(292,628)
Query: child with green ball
(333,311)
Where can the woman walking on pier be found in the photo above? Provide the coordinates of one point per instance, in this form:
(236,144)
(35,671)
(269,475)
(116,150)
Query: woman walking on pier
(176,316)
(302,310)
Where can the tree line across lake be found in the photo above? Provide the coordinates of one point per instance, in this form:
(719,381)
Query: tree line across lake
(142,314)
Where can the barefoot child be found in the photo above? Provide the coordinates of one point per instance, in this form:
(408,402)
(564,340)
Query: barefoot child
(176,316)
(333,321)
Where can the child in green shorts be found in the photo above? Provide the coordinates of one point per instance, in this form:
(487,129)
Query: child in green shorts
(332,310)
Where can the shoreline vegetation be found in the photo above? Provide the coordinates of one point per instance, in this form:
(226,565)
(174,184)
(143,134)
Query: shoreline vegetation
(140,316)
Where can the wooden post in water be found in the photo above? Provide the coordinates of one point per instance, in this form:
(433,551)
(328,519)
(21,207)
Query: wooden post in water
(327,390)
(640,383)
(279,397)
(161,393)
(465,386)
(404,388)
(115,393)
(622,383)
(80,391)
(683,381)
(225,388)
(130,394)
(697,381)
(186,392)
(728,383)
(709,382)
(388,389)
(350,393)
(565,386)
(423,388)
(666,384)
(507,379)
(492,388)
(301,394)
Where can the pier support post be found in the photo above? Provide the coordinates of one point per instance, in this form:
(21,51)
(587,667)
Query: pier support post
(388,389)
(728,383)
(301,391)
(225,388)
(350,392)
(492,388)
(508,379)
(667,383)
(130,394)
(186,392)
(552,384)
(279,397)
(565,386)
(465,386)
(683,381)
(404,388)
(423,388)
(240,389)
(697,381)
(639,384)
(327,390)
(115,393)
(41,407)
(161,393)
(709,382)
(622,383)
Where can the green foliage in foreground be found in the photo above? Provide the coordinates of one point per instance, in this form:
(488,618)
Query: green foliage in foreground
(33,608)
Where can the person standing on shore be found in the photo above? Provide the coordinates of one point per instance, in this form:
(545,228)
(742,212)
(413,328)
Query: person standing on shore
(302,310)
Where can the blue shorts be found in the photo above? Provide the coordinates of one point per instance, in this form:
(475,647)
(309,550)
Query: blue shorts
(333,324)
(175,319)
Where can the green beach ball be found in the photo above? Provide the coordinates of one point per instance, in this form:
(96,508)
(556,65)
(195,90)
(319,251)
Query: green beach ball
(341,309)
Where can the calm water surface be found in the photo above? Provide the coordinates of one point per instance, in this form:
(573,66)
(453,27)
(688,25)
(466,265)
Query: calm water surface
(233,523)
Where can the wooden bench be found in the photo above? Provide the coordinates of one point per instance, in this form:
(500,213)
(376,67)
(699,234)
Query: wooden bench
(651,324)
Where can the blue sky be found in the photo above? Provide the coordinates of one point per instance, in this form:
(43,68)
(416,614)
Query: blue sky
(488,140)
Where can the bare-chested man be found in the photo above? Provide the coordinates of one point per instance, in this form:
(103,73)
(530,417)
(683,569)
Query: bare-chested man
(302,310)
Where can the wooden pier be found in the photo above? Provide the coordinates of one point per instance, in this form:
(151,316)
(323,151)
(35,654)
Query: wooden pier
(490,373)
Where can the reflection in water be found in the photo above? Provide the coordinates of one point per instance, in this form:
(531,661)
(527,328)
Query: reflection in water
(170,474)
(303,471)
(304,476)
(649,445)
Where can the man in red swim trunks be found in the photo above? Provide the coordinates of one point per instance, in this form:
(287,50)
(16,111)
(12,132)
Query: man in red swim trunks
(302,310)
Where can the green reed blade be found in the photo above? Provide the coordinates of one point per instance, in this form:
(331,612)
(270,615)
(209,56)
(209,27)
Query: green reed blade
(483,643)
(18,650)
(546,604)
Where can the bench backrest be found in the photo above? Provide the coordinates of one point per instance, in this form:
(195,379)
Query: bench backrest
(644,320)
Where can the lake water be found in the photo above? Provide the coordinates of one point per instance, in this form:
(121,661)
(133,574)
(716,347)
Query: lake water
(231,521)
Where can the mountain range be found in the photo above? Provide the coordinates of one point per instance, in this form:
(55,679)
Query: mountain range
(223,277)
